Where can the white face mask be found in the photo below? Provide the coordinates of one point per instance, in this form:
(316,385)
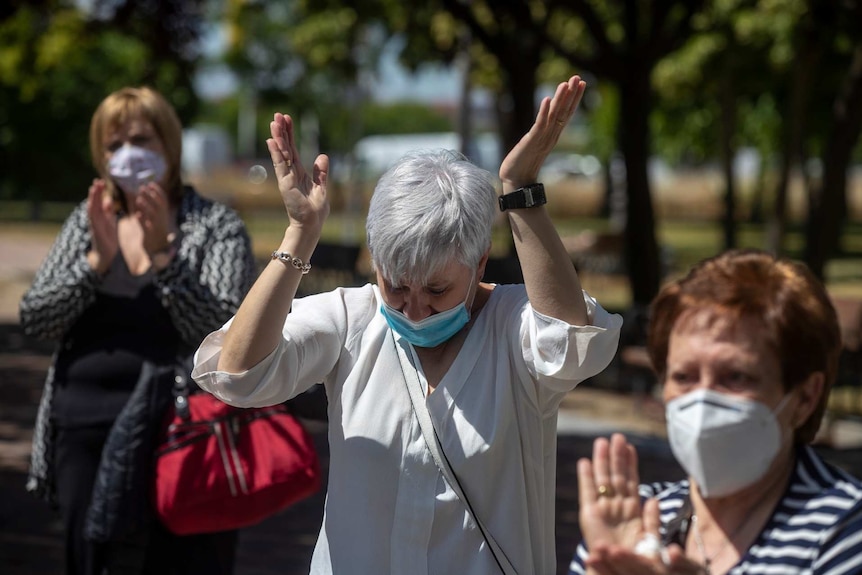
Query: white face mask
(133,166)
(724,443)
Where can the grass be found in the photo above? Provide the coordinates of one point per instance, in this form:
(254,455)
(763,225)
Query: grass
(21,212)
(267,230)
(688,241)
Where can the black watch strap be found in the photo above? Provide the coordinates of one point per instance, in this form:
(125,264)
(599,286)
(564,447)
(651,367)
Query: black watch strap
(531,196)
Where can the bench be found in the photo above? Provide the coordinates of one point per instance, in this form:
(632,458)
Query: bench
(332,266)
(603,253)
(845,401)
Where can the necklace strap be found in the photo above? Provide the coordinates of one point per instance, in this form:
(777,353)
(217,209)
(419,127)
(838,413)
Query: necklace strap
(701,548)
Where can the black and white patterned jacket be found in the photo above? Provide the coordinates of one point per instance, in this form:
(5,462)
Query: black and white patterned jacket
(201,289)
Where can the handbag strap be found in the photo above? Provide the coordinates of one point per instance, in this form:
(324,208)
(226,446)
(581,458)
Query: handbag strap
(414,387)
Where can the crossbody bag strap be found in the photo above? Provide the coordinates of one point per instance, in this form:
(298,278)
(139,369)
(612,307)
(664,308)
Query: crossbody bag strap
(414,387)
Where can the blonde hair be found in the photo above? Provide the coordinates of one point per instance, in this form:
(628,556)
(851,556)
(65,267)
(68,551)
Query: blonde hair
(139,103)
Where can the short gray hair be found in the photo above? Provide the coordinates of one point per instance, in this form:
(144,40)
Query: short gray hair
(431,207)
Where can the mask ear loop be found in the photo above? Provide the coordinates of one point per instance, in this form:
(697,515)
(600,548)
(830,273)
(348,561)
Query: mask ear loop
(475,293)
(117,195)
(782,404)
(777,411)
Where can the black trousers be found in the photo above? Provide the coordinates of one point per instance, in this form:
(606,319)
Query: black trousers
(77,454)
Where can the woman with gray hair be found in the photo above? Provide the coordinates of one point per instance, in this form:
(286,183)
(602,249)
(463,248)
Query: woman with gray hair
(443,390)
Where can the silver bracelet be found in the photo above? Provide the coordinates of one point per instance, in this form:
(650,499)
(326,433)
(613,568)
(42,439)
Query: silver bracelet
(289,259)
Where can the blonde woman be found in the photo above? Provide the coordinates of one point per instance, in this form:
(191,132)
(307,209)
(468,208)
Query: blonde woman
(141,271)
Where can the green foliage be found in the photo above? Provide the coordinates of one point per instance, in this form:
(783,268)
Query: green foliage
(602,109)
(222,113)
(404,118)
(755,46)
(56,65)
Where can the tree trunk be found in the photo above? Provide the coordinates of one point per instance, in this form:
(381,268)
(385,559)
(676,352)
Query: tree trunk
(809,52)
(516,111)
(726,133)
(465,108)
(829,204)
(518,106)
(641,249)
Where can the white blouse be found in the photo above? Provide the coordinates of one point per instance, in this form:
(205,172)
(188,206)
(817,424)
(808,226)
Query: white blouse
(388,508)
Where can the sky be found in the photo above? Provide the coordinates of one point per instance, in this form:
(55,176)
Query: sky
(433,83)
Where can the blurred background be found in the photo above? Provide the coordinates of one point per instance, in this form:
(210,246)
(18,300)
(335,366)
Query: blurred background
(706,125)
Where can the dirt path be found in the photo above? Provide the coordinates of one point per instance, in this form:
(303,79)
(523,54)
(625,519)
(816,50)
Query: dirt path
(22,250)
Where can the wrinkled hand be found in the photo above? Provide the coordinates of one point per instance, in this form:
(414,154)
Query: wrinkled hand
(103,227)
(152,209)
(609,502)
(304,195)
(521,166)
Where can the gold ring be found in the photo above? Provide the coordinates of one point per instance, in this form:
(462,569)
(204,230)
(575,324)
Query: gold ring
(560,123)
(605,491)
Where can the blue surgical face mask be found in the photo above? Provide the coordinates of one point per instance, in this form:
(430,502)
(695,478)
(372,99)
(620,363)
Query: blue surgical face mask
(432,330)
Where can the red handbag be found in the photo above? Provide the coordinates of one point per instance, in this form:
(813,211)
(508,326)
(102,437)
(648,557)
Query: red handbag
(220,467)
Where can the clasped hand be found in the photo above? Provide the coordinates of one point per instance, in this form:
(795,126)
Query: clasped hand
(151,209)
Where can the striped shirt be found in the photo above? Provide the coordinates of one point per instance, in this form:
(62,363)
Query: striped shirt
(816,527)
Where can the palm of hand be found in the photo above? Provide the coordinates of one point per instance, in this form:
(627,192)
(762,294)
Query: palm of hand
(303,199)
(611,512)
(303,194)
(521,165)
(103,221)
(152,210)
(612,520)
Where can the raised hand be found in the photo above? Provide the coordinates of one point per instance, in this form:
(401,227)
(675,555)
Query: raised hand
(152,209)
(303,194)
(610,505)
(613,522)
(521,166)
(103,227)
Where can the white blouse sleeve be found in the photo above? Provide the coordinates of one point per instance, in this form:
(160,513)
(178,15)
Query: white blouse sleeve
(561,355)
(313,338)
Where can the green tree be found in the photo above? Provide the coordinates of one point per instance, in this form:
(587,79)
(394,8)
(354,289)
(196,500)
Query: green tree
(828,196)
(308,58)
(711,92)
(622,42)
(56,65)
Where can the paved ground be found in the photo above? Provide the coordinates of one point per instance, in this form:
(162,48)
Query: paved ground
(30,535)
